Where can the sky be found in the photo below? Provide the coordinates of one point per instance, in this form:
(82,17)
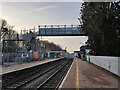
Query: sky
(26,15)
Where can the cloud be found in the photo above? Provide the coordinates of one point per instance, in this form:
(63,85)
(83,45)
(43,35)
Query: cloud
(41,8)
(47,0)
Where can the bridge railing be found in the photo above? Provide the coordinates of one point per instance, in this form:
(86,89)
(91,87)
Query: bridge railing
(57,26)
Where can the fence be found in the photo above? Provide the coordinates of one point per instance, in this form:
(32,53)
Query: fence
(111,64)
(16,58)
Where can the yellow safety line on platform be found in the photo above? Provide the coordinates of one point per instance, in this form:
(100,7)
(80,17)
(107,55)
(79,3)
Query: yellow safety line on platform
(77,77)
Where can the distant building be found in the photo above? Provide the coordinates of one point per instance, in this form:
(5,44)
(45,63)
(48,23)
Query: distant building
(83,52)
(77,54)
(55,54)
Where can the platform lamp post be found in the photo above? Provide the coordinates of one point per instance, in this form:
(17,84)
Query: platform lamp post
(41,37)
(89,49)
(80,49)
(118,33)
(65,28)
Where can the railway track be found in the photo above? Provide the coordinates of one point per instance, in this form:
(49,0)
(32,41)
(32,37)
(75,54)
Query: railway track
(55,79)
(48,78)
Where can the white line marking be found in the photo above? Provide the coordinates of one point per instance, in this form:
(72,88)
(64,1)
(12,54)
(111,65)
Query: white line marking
(65,77)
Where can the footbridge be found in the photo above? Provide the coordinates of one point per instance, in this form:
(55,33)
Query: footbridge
(61,30)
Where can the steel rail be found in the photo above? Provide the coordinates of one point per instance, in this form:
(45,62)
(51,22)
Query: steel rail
(24,81)
(56,85)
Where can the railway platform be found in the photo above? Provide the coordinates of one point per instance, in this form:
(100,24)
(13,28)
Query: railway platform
(87,76)
(26,65)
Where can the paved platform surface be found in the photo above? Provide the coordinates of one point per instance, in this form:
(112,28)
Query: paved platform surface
(25,65)
(89,77)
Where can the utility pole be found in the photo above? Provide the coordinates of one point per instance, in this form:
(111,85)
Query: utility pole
(1,44)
